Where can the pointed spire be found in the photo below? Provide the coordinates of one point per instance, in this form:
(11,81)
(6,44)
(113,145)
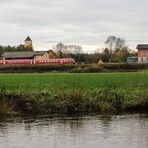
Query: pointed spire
(28,39)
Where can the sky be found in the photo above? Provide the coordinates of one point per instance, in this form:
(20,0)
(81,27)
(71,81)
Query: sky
(87,23)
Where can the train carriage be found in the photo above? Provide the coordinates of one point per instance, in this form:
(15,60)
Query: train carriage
(32,61)
(33,57)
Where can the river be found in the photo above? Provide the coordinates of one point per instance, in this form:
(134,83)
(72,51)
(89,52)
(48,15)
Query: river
(110,131)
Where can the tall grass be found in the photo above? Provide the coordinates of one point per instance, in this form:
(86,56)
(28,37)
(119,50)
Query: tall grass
(73,101)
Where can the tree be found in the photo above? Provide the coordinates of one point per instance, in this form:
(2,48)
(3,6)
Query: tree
(106,55)
(114,43)
(120,55)
(13,49)
(74,49)
(60,47)
(63,50)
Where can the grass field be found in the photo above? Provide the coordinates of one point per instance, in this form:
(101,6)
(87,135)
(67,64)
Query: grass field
(55,81)
(45,93)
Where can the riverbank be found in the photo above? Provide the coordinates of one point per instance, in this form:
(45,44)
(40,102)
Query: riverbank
(65,93)
(74,101)
(75,68)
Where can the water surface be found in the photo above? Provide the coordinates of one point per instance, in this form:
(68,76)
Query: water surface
(120,131)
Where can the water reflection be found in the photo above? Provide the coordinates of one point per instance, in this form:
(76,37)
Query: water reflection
(122,131)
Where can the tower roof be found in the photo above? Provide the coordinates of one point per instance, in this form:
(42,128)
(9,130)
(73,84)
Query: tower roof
(28,39)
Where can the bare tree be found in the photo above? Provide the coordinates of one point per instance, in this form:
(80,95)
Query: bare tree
(114,43)
(60,47)
(74,49)
(67,49)
(110,42)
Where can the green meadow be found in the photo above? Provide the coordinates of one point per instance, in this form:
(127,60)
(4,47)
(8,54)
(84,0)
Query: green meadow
(33,82)
(46,93)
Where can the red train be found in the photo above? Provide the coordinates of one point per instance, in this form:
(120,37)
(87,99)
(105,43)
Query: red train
(30,61)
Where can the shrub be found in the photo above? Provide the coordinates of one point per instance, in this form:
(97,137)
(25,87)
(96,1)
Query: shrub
(110,100)
(71,101)
(72,68)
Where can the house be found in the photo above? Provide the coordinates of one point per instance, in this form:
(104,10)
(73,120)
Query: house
(142,53)
(34,55)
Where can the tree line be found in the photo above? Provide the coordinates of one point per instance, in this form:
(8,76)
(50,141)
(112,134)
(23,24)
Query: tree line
(13,48)
(116,51)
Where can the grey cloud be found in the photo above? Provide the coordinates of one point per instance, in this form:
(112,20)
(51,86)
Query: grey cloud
(73,20)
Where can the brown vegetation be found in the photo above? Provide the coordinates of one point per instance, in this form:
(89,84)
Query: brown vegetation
(73,68)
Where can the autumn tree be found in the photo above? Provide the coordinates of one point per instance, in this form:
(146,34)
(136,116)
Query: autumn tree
(120,55)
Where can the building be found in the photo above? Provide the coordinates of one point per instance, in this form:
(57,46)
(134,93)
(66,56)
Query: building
(28,43)
(132,59)
(142,53)
(34,55)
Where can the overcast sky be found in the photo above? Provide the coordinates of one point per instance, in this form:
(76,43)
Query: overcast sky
(84,22)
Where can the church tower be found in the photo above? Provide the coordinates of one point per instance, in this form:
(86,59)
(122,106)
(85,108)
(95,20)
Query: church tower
(28,43)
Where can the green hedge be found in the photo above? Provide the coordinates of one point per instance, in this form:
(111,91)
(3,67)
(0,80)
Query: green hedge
(73,68)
